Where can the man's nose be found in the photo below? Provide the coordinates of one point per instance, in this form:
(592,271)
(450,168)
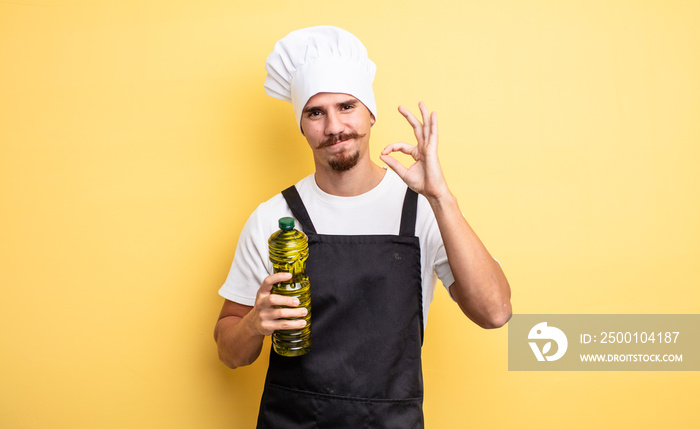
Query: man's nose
(334,124)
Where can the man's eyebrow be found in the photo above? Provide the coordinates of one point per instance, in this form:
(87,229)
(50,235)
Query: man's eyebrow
(348,102)
(312,109)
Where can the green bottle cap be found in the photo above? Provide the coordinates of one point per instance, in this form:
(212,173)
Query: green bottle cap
(286,223)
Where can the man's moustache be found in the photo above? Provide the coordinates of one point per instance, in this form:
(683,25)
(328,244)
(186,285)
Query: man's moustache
(339,138)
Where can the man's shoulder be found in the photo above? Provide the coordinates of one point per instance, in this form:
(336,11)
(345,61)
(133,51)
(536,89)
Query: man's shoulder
(277,201)
(270,211)
(272,203)
(264,218)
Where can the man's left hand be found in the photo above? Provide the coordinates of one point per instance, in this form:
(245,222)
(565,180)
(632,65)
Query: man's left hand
(425,174)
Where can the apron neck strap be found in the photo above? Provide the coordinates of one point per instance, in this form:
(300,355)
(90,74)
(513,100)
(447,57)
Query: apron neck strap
(298,210)
(408,214)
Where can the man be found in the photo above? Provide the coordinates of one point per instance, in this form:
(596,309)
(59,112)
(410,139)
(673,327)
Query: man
(376,239)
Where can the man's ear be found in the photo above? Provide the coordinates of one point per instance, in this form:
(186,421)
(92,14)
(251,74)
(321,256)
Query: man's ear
(372,120)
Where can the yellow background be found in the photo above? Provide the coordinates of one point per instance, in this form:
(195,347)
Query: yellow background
(136,138)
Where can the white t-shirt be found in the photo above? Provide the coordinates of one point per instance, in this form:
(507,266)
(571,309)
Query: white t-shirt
(375,212)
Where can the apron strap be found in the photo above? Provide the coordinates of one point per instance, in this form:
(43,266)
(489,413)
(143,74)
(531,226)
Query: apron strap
(291,195)
(408,215)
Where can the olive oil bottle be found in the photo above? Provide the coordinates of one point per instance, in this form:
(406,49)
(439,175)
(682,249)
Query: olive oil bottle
(288,253)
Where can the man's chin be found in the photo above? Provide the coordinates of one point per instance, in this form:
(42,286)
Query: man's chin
(344,163)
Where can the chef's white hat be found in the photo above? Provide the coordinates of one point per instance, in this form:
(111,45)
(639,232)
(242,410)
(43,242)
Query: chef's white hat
(319,59)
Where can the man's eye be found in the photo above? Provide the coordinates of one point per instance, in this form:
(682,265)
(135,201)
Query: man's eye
(313,113)
(347,107)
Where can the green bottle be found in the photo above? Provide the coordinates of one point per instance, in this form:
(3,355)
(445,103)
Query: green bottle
(289,251)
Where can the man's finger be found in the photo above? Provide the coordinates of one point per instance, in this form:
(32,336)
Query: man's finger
(285,301)
(399,147)
(291,313)
(426,118)
(415,123)
(270,280)
(433,139)
(394,164)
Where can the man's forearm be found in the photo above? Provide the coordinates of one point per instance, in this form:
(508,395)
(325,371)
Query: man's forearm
(480,288)
(237,342)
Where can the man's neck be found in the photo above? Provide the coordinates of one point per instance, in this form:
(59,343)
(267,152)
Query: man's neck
(360,179)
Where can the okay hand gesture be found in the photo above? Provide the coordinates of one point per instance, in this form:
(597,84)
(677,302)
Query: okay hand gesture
(425,174)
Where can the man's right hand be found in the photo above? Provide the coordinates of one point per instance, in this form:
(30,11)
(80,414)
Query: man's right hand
(267,316)
(240,330)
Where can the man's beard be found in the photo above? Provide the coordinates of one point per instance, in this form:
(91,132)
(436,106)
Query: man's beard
(342,162)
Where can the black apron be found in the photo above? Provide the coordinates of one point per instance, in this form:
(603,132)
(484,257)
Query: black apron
(364,367)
